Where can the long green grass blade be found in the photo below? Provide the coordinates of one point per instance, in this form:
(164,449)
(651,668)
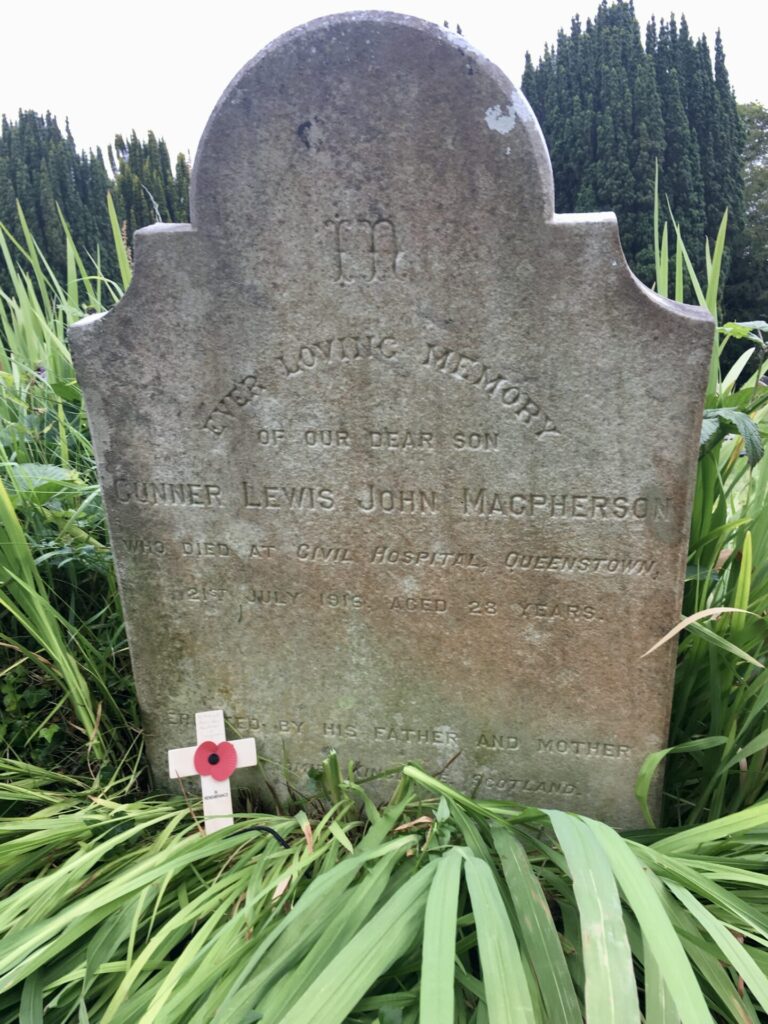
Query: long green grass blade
(506,988)
(654,923)
(537,930)
(436,995)
(390,934)
(610,990)
(117,237)
(731,950)
(659,1004)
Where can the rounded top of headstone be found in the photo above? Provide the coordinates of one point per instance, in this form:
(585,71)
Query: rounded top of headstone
(371,104)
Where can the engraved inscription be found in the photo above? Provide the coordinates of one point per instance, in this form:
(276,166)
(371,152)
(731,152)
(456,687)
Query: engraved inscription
(365,250)
(205,547)
(284,596)
(492,741)
(339,731)
(461,366)
(327,438)
(476,441)
(154,492)
(200,594)
(338,351)
(372,497)
(484,502)
(483,608)
(582,748)
(273,598)
(144,546)
(325,555)
(268,436)
(581,564)
(409,502)
(342,601)
(306,499)
(261,551)
(401,440)
(437,605)
(331,552)
(561,612)
(383,554)
(405,734)
(222,414)
(528,787)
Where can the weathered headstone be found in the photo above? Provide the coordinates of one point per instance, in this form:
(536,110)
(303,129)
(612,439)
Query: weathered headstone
(396,460)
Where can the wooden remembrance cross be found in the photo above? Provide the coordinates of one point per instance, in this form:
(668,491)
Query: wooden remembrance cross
(213,759)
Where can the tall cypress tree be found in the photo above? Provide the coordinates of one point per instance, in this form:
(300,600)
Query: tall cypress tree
(746,294)
(610,108)
(681,179)
(42,171)
(145,187)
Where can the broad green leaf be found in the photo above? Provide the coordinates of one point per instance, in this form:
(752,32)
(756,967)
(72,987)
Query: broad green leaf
(31,1006)
(659,1005)
(389,935)
(341,925)
(655,925)
(537,929)
(743,582)
(610,987)
(687,841)
(436,993)
(39,482)
(68,390)
(744,425)
(719,641)
(709,427)
(117,238)
(735,371)
(714,265)
(506,989)
(731,949)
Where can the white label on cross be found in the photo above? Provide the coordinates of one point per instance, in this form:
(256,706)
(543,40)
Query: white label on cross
(217,796)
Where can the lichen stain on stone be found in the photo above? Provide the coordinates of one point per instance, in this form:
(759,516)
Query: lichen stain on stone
(500,120)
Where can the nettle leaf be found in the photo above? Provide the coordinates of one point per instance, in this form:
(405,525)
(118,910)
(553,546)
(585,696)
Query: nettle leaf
(40,482)
(68,390)
(709,426)
(740,422)
(743,329)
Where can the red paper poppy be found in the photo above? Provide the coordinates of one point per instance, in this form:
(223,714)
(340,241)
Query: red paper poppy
(218,760)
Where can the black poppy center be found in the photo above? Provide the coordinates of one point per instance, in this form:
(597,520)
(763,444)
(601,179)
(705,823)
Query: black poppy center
(213,759)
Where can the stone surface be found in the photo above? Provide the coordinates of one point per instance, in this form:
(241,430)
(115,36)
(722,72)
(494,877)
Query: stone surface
(396,460)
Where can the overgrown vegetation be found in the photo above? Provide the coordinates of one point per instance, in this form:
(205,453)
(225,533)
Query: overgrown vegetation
(436,908)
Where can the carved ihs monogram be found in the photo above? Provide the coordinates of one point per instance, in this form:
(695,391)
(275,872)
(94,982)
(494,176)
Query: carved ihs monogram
(365,250)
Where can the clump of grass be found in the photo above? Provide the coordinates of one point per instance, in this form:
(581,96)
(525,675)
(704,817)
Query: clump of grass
(719,728)
(435,908)
(65,689)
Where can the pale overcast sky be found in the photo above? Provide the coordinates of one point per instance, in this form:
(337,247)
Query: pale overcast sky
(111,67)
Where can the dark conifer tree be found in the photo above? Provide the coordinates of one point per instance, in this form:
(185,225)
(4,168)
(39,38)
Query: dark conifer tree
(146,189)
(746,294)
(42,171)
(610,108)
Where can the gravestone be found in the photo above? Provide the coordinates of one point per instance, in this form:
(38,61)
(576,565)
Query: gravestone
(396,460)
